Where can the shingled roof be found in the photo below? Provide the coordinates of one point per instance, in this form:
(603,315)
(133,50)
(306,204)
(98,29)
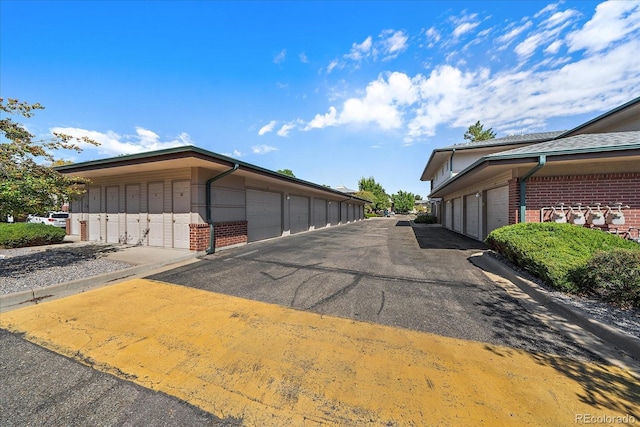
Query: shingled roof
(575,144)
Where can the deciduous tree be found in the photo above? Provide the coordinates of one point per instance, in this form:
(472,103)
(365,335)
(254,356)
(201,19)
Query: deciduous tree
(28,181)
(380,197)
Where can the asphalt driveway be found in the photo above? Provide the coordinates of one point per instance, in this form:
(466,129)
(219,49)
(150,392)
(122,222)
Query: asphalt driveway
(381,271)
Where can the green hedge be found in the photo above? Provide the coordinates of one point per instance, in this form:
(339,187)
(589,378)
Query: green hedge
(613,276)
(556,253)
(426,219)
(18,235)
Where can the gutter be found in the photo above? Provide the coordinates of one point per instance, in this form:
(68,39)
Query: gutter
(212,239)
(542,160)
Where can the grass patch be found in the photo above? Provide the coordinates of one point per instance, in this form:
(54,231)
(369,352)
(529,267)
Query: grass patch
(19,235)
(556,253)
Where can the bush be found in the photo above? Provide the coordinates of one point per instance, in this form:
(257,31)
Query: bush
(553,252)
(19,235)
(426,219)
(613,276)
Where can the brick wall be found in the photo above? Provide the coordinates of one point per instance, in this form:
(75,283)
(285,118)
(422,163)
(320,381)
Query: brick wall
(226,234)
(230,233)
(586,189)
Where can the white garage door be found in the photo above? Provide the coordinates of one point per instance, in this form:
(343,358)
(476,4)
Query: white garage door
(94,214)
(457,214)
(113,226)
(181,208)
(497,208)
(319,213)
(133,213)
(472,215)
(264,215)
(155,220)
(298,214)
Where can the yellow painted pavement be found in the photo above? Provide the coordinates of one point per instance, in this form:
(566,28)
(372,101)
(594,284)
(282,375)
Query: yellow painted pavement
(273,366)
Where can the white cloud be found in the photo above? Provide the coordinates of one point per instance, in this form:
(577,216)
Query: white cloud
(285,129)
(382,102)
(612,21)
(551,32)
(505,39)
(267,128)
(360,51)
(263,149)
(332,65)
(323,120)
(114,144)
(547,9)
(236,154)
(464,28)
(280,57)
(303,57)
(393,43)
(433,36)
(554,47)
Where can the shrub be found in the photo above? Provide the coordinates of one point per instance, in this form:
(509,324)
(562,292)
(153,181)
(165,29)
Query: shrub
(553,251)
(613,276)
(18,235)
(426,219)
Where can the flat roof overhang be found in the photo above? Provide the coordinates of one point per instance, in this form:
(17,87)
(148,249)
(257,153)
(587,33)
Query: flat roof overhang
(190,157)
(560,164)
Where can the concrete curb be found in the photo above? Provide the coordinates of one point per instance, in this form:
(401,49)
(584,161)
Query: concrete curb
(33,296)
(616,346)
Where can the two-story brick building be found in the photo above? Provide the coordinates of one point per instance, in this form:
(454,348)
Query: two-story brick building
(480,186)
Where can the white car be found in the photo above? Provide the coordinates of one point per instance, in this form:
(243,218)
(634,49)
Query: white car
(57,219)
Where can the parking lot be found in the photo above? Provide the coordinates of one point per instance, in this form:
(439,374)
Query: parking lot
(375,323)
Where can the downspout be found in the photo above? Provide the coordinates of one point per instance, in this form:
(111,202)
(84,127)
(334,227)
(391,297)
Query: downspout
(542,160)
(451,162)
(212,239)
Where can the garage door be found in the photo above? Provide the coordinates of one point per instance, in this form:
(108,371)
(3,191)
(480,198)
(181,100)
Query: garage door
(298,214)
(334,213)
(264,215)
(319,213)
(113,226)
(94,214)
(472,215)
(497,208)
(133,213)
(457,214)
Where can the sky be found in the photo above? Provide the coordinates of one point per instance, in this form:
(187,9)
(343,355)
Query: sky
(332,90)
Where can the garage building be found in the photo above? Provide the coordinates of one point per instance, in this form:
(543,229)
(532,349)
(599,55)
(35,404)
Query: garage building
(191,198)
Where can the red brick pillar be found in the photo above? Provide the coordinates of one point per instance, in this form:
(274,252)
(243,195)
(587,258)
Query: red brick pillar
(198,237)
(514,200)
(84,237)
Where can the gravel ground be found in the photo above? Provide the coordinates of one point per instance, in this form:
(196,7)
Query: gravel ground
(26,268)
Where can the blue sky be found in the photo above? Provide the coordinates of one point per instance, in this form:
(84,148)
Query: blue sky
(331,90)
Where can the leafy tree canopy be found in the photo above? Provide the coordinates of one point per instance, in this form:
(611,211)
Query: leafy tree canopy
(477,132)
(380,198)
(28,181)
(403,201)
(288,172)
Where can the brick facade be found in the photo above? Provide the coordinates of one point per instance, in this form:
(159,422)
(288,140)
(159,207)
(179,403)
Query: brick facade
(226,234)
(607,189)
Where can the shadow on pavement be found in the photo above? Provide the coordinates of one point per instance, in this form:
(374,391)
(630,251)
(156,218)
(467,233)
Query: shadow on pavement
(437,237)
